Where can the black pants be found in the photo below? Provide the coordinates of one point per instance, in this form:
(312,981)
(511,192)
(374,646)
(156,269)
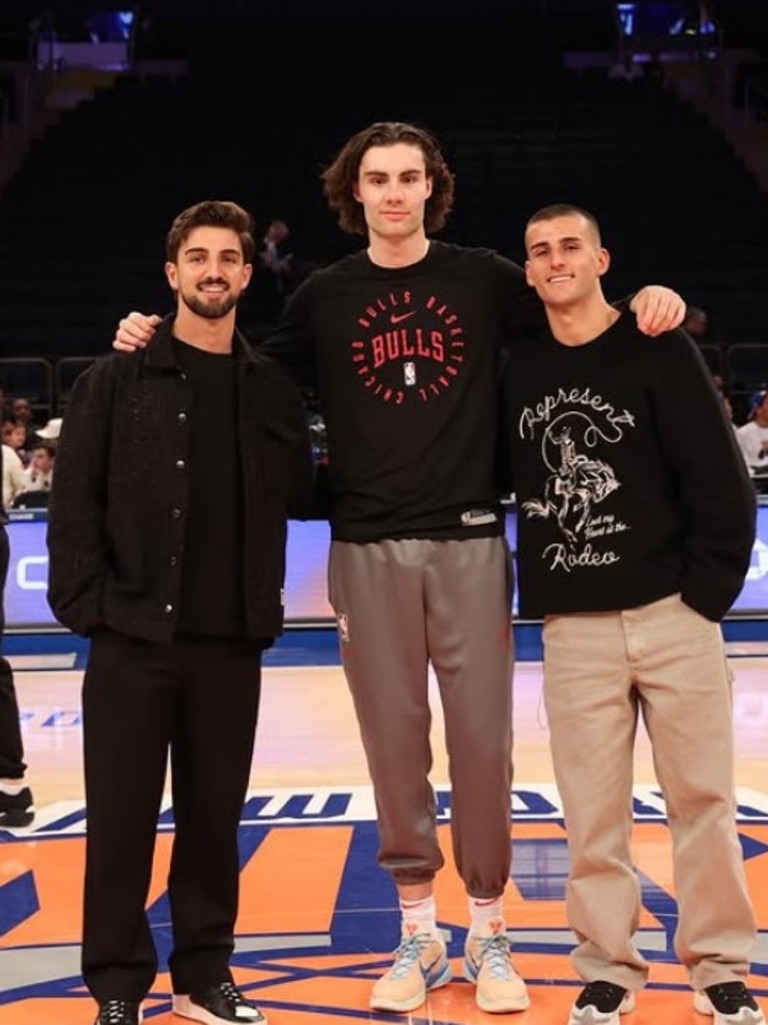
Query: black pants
(199,699)
(11,748)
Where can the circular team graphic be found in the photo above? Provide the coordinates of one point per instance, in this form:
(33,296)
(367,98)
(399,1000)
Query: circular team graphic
(408,348)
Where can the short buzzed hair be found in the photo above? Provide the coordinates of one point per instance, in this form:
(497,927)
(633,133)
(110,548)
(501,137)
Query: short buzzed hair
(549,213)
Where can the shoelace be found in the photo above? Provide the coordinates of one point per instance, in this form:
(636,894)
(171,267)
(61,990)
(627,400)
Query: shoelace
(232,995)
(494,951)
(407,954)
(115,1012)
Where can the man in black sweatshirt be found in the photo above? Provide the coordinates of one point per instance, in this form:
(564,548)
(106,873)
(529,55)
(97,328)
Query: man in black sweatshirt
(634,538)
(401,341)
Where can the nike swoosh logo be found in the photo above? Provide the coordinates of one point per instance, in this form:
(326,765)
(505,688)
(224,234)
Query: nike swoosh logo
(395,318)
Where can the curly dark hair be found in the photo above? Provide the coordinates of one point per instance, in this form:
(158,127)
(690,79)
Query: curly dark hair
(211,213)
(340,178)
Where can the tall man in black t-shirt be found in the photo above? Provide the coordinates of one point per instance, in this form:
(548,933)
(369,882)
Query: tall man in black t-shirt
(167,548)
(634,539)
(401,341)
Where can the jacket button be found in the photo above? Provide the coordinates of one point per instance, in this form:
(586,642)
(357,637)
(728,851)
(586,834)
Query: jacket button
(168,608)
(176,513)
(174,561)
(180,464)
(182,417)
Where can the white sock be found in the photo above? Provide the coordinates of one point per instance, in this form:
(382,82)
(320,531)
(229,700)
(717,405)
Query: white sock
(12,789)
(419,916)
(481,912)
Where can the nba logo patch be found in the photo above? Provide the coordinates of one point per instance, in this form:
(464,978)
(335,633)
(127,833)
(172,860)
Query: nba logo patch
(343,620)
(409,374)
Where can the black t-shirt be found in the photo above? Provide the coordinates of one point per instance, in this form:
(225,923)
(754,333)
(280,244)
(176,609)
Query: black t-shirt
(405,362)
(212,601)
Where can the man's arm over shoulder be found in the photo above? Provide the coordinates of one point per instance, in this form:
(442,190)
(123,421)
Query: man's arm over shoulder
(714,484)
(291,344)
(305,488)
(523,311)
(77,536)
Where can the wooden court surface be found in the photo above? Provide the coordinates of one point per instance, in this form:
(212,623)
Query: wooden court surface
(318,917)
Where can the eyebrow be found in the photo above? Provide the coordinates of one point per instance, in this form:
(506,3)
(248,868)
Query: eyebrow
(201,249)
(565,238)
(385,174)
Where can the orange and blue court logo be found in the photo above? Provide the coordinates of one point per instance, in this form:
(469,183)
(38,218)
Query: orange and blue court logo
(318,917)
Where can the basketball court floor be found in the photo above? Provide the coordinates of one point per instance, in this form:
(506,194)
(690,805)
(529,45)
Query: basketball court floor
(318,917)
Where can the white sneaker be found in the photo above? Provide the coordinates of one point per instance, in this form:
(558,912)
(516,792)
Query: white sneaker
(421,964)
(488,963)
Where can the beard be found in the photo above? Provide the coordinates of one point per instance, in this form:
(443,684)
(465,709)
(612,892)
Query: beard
(210,307)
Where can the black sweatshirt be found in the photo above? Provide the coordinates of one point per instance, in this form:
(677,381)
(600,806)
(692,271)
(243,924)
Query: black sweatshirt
(628,481)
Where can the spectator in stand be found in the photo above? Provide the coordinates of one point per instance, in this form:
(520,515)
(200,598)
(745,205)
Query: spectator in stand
(699,326)
(753,436)
(51,430)
(274,274)
(22,414)
(14,480)
(15,436)
(39,474)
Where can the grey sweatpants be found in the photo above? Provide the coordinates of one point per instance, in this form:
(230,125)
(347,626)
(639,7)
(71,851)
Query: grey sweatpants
(401,605)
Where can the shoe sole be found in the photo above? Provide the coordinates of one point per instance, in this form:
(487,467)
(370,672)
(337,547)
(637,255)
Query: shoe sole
(703,1005)
(184,1008)
(626,1007)
(503,1007)
(495,1006)
(412,1002)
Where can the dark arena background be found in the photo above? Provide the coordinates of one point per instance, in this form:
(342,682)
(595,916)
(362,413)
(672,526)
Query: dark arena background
(114,118)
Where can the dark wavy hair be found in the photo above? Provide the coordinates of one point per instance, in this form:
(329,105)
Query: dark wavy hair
(211,213)
(340,178)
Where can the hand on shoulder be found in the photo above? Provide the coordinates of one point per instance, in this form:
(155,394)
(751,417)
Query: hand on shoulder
(135,331)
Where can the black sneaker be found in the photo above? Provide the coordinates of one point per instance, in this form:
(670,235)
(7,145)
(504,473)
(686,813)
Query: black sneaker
(601,1003)
(118,1012)
(218,1005)
(16,809)
(731,1003)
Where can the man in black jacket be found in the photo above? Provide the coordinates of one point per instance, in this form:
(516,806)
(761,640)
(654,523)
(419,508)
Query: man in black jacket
(167,548)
